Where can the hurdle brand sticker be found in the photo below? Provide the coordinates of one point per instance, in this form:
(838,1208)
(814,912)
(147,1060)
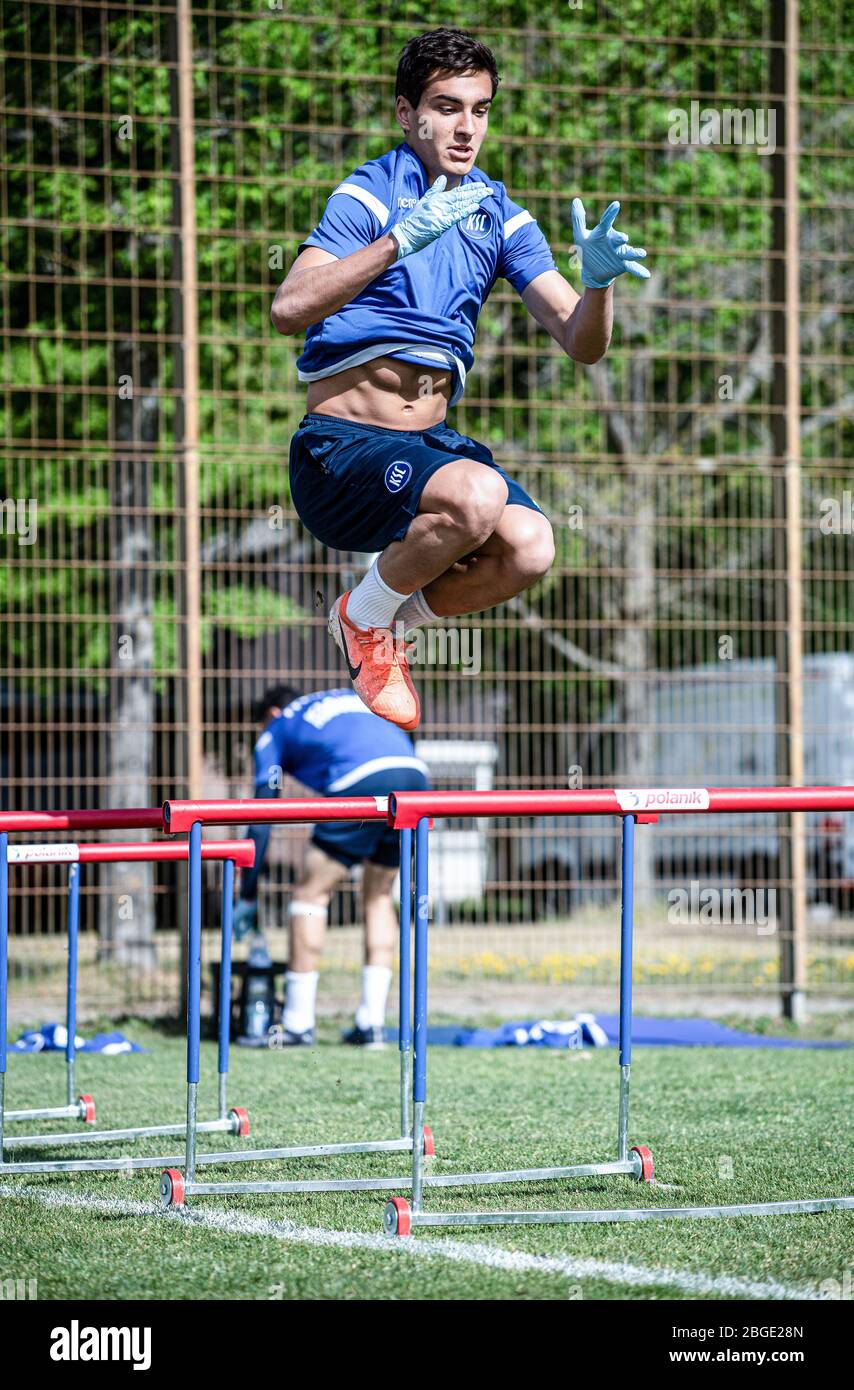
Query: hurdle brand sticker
(76,1343)
(397,475)
(44,854)
(663,799)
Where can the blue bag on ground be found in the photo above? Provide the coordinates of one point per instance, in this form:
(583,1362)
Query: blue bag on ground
(52,1037)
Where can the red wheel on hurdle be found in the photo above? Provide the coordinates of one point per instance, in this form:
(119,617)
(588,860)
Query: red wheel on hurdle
(429,1146)
(239,1121)
(171,1188)
(87,1109)
(397,1217)
(647,1167)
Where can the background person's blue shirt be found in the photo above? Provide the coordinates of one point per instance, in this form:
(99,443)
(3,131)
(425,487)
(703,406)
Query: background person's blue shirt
(328,741)
(424,308)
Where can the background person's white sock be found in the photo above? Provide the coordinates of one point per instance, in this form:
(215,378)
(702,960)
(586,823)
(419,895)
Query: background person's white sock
(415,612)
(300,996)
(373,603)
(376,980)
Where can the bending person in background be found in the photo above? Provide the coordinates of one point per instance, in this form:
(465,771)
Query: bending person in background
(331,743)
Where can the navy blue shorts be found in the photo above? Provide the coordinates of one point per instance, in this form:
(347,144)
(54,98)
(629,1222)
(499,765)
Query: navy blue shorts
(357,487)
(352,841)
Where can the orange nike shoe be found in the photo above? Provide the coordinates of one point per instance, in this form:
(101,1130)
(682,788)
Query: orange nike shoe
(378,667)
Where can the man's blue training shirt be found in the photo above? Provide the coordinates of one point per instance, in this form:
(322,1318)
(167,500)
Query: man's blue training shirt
(425,307)
(329,741)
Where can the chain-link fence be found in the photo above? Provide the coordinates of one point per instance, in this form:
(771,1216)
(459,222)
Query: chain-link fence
(161,163)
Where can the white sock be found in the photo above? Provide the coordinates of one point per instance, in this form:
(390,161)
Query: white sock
(415,612)
(372,603)
(301,992)
(376,980)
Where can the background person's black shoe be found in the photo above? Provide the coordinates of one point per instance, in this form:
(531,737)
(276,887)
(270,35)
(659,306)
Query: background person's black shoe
(372,1038)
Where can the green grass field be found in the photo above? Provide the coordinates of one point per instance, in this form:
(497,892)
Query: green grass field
(724,1126)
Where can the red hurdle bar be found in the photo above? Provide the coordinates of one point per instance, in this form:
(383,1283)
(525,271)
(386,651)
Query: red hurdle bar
(180,816)
(134,818)
(407,808)
(240,852)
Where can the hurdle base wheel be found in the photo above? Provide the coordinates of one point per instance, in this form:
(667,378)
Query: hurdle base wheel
(239,1121)
(429,1145)
(87,1109)
(171,1188)
(646,1167)
(397,1217)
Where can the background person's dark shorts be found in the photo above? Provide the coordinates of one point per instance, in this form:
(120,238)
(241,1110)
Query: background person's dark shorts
(352,841)
(357,487)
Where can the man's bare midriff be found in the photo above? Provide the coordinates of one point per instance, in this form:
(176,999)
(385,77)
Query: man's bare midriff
(394,394)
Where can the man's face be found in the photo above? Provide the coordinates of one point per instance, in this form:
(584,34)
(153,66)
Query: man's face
(448,126)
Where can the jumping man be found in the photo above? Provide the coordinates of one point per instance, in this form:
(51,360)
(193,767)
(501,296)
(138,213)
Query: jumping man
(389,286)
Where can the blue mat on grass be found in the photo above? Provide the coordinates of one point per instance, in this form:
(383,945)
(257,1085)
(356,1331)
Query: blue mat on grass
(646,1032)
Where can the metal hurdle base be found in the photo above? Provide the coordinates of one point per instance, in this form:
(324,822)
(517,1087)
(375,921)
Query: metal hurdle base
(129,1164)
(175,1188)
(236,1122)
(81,1109)
(399,1218)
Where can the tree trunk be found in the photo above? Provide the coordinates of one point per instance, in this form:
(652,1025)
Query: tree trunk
(127,920)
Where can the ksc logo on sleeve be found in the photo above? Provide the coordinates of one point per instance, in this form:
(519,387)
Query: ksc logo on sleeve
(397,475)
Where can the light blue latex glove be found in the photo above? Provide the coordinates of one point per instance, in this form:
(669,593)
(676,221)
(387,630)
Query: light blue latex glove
(436,212)
(244,919)
(604,254)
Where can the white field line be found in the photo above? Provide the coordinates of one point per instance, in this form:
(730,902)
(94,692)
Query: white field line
(570,1267)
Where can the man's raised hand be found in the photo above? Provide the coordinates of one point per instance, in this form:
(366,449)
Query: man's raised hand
(436,212)
(604,254)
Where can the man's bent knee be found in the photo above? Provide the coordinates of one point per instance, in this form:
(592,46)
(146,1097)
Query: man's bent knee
(533,551)
(471,498)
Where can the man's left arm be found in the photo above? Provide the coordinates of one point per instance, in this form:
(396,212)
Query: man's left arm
(582,325)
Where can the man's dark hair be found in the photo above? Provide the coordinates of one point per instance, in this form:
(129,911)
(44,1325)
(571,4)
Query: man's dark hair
(441,50)
(276,697)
